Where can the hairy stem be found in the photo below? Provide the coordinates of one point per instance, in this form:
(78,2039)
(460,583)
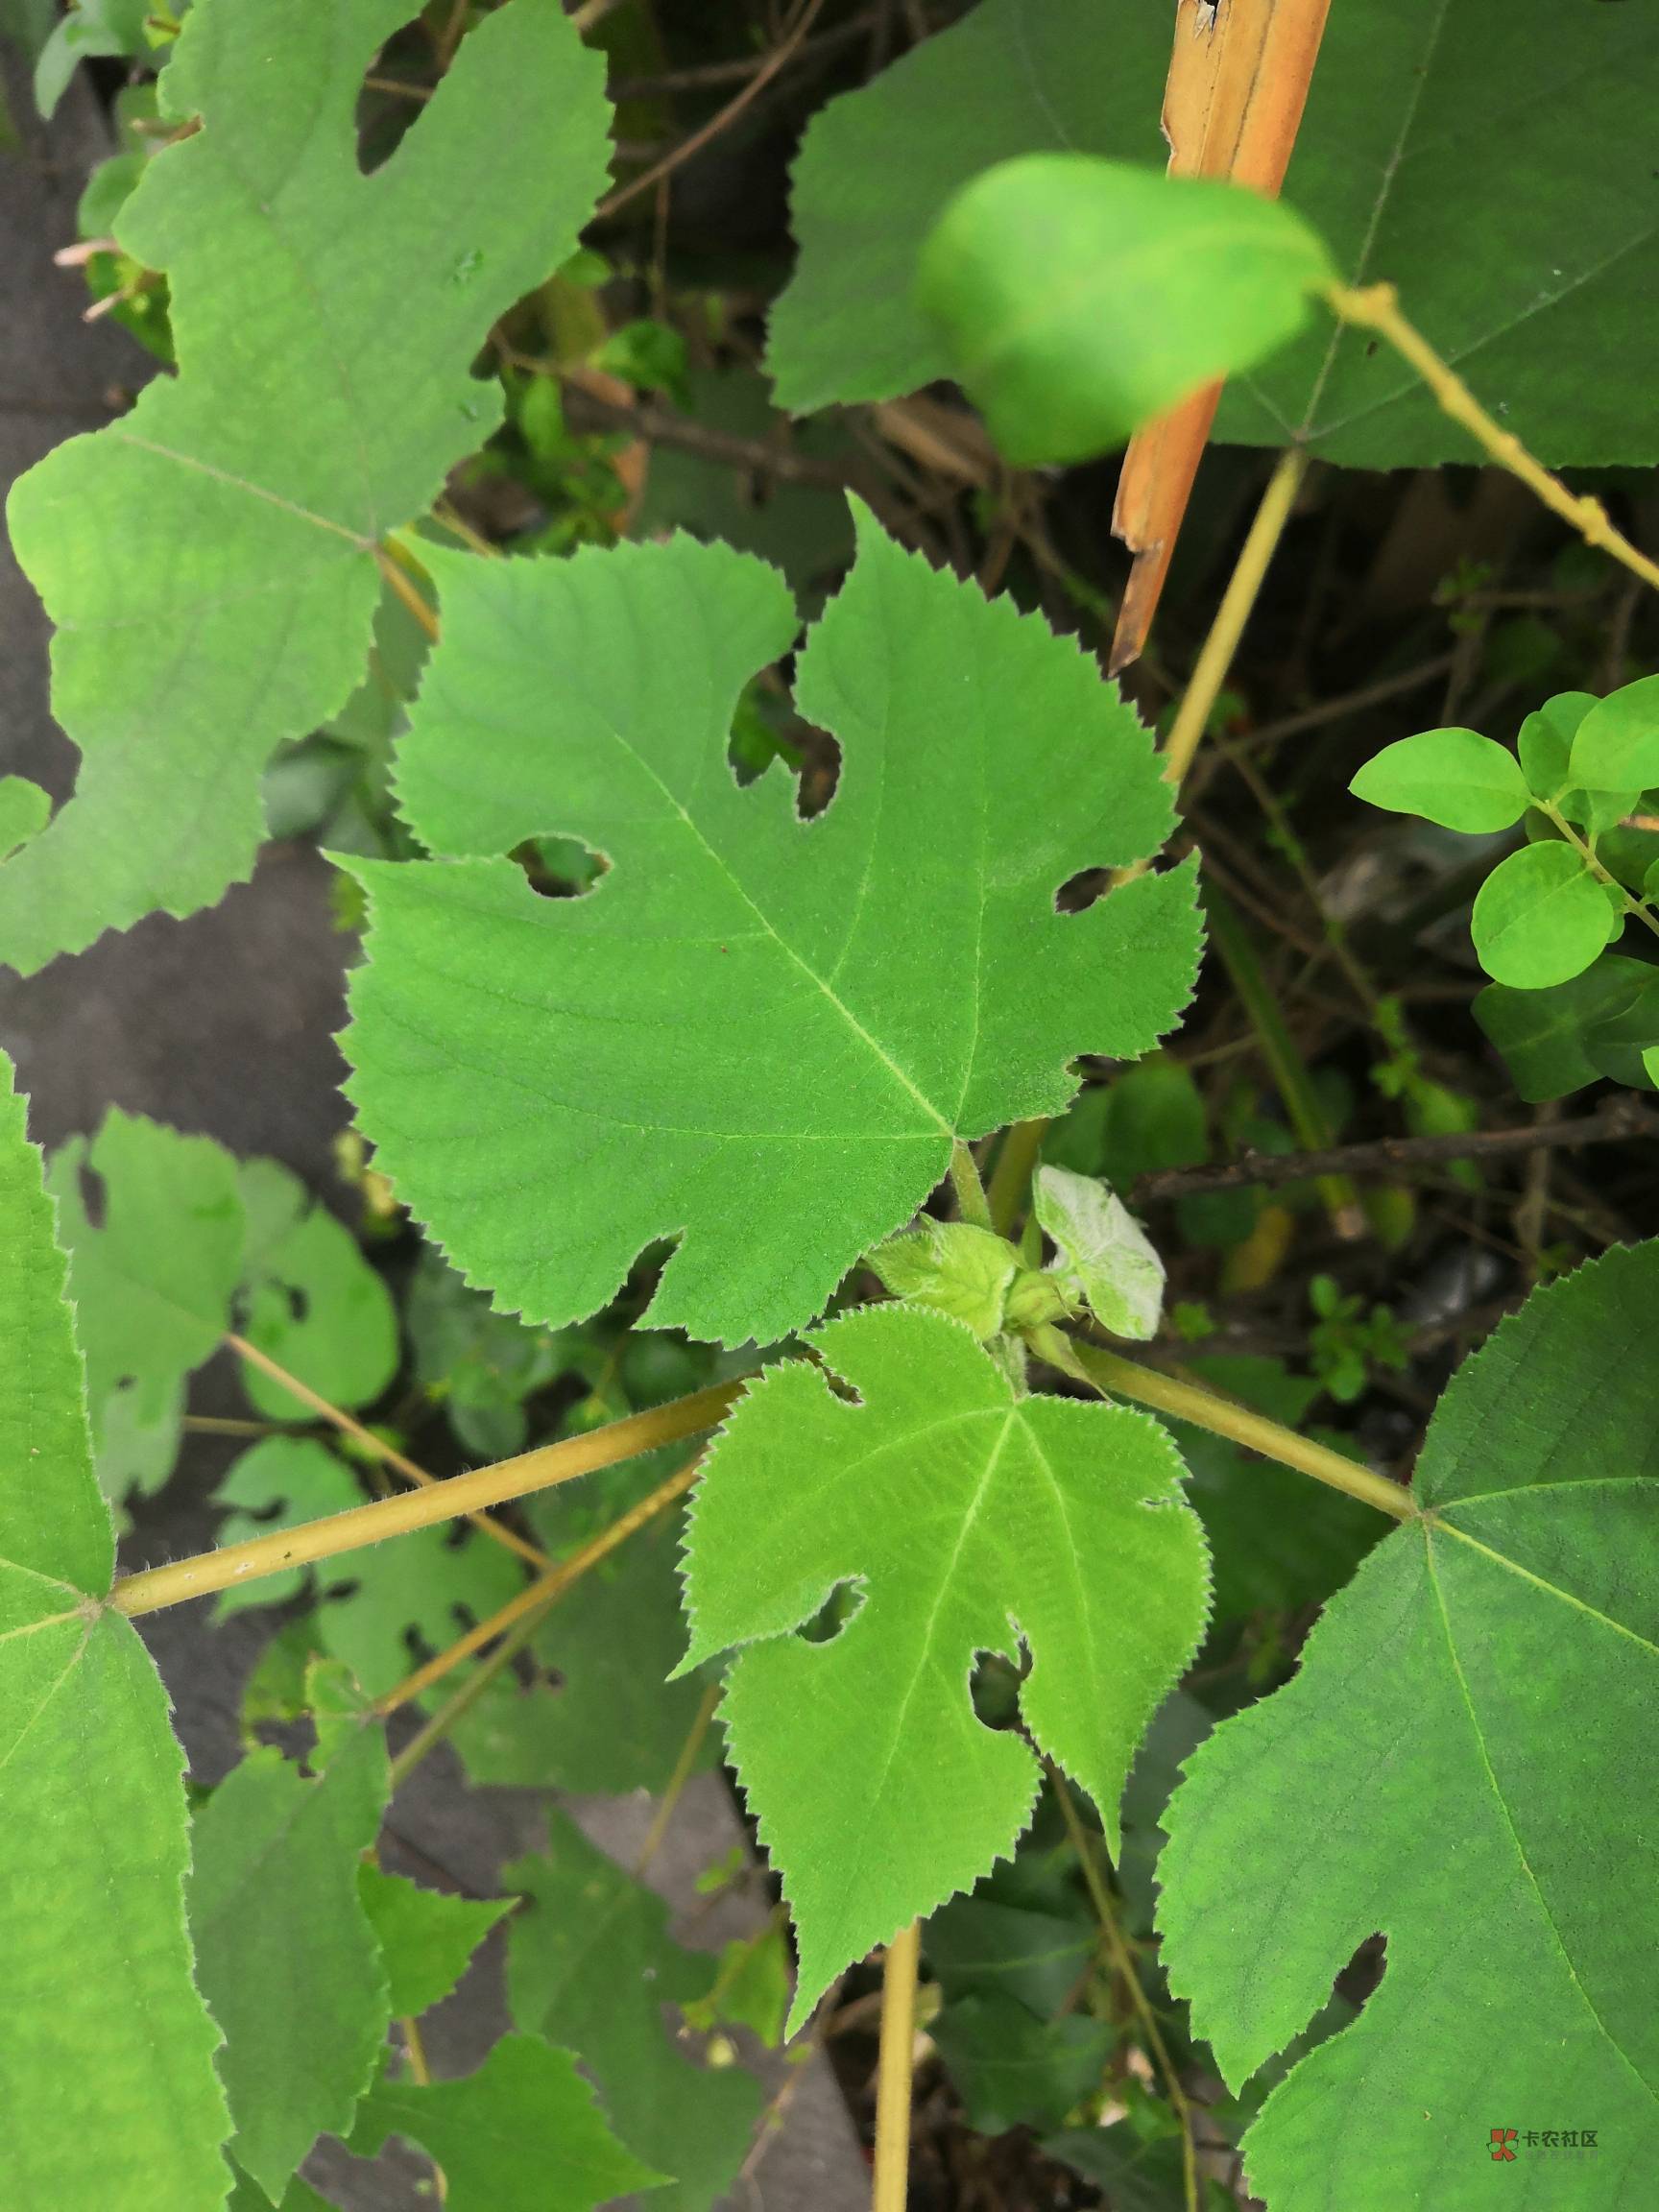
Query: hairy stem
(387,1453)
(545,1591)
(1124,1964)
(341,1532)
(1114,1377)
(1376,308)
(894,2069)
(1233,613)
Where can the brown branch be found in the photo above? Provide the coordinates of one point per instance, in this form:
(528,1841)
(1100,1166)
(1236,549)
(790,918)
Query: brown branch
(705,136)
(586,410)
(1621,1119)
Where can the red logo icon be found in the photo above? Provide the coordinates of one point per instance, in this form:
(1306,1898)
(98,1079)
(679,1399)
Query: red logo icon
(1502,2138)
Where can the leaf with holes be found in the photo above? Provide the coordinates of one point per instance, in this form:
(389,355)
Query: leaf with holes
(209,558)
(1464,1761)
(757,1034)
(152,1278)
(288,1958)
(970,1520)
(105,2049)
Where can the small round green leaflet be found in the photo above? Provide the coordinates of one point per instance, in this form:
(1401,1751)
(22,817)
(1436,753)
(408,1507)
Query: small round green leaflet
(1616,747)
(1454,776)
(1540,918)
(1080,297)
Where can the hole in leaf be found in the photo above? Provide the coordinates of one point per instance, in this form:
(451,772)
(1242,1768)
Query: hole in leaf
(394,91)
(837,1612)
(994,1686)
(561,867)
(94,1193)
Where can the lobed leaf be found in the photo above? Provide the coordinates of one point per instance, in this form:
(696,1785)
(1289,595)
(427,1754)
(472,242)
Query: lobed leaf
(287,1957)
(426,1936)
(520,2134)
(590,1963)
(107,2080)
(1462,1763)
(757,1034)
(210,559)
(970,1519)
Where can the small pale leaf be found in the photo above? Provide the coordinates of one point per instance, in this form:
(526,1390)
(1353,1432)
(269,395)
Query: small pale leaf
(1105,1256)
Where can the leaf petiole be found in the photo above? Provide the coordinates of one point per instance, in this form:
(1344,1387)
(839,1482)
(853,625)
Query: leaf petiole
(1115,1377)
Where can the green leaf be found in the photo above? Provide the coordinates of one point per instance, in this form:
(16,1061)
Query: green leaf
(1105,1258)
(591,1961)
(521,2135)
(1489,1675)
(1277,1542)
(972,1520)
(106,2050)
(978,1947)
(877,166)
(209,559)
(480,1363)
(152,1281)
(1544,1035)
(1078,298)
(1615,746)
(24,809)
(1516,225)
(952,1268)
(1454,776)
(424,1585)
(287,1959)
(603,1718)
(1546,745)
(751,1986)
(1012,2069)
(1148,1117)
(757,1034)
(1540,918)
(426,1936)
(303,1480)
(314,1304)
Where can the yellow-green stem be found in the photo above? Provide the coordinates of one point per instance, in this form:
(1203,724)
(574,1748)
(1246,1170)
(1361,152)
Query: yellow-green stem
(1124,1964)
(1011,1176)
(1115,1377)
(701,1722)
(1376,308)
(378,1446)
(971,1200)
(894,2069)
(1233,613)
(545,1591)
(1638,909)
(373,1523)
